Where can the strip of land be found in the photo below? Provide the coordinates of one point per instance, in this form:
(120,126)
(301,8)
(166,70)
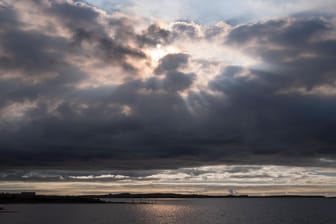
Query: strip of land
(31,198)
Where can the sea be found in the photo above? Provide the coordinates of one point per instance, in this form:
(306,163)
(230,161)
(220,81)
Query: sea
(177,211)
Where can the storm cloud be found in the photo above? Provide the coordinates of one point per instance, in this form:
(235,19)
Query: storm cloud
(81,88)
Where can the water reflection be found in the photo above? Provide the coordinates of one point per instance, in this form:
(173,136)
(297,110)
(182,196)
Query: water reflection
(163,213)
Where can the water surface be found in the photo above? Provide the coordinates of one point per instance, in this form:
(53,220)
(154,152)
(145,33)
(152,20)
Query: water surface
(179,211)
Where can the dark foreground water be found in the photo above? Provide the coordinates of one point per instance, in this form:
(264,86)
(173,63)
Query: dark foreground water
(180,211)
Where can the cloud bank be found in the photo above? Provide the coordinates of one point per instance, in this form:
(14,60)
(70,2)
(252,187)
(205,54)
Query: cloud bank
(81,88)
(215,180)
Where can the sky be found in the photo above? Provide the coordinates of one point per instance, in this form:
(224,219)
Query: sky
(188,96)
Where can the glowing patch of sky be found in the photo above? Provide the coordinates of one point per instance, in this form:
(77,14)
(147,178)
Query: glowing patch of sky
(213,10)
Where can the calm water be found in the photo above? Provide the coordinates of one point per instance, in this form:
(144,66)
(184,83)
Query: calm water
(193,211)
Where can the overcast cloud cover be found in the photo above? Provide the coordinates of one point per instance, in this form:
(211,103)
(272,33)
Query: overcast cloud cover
(120,85)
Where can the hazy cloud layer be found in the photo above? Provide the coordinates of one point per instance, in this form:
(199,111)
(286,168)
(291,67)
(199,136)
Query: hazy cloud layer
(84,89)
(235,179)
(231,175)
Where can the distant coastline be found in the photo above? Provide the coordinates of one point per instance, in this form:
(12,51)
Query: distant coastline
(171,195)
(32,198)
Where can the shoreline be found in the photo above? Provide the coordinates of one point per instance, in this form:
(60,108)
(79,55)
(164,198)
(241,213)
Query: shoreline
(7,198)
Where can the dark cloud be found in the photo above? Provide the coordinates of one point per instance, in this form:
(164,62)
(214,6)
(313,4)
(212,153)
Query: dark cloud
(154,35)
(174,79)
(59,107)
(83,21)
(279,120)
(7,17)
(185,29)
(32,52)
(295,48)
(172,62)
(177,81)
(75,14)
